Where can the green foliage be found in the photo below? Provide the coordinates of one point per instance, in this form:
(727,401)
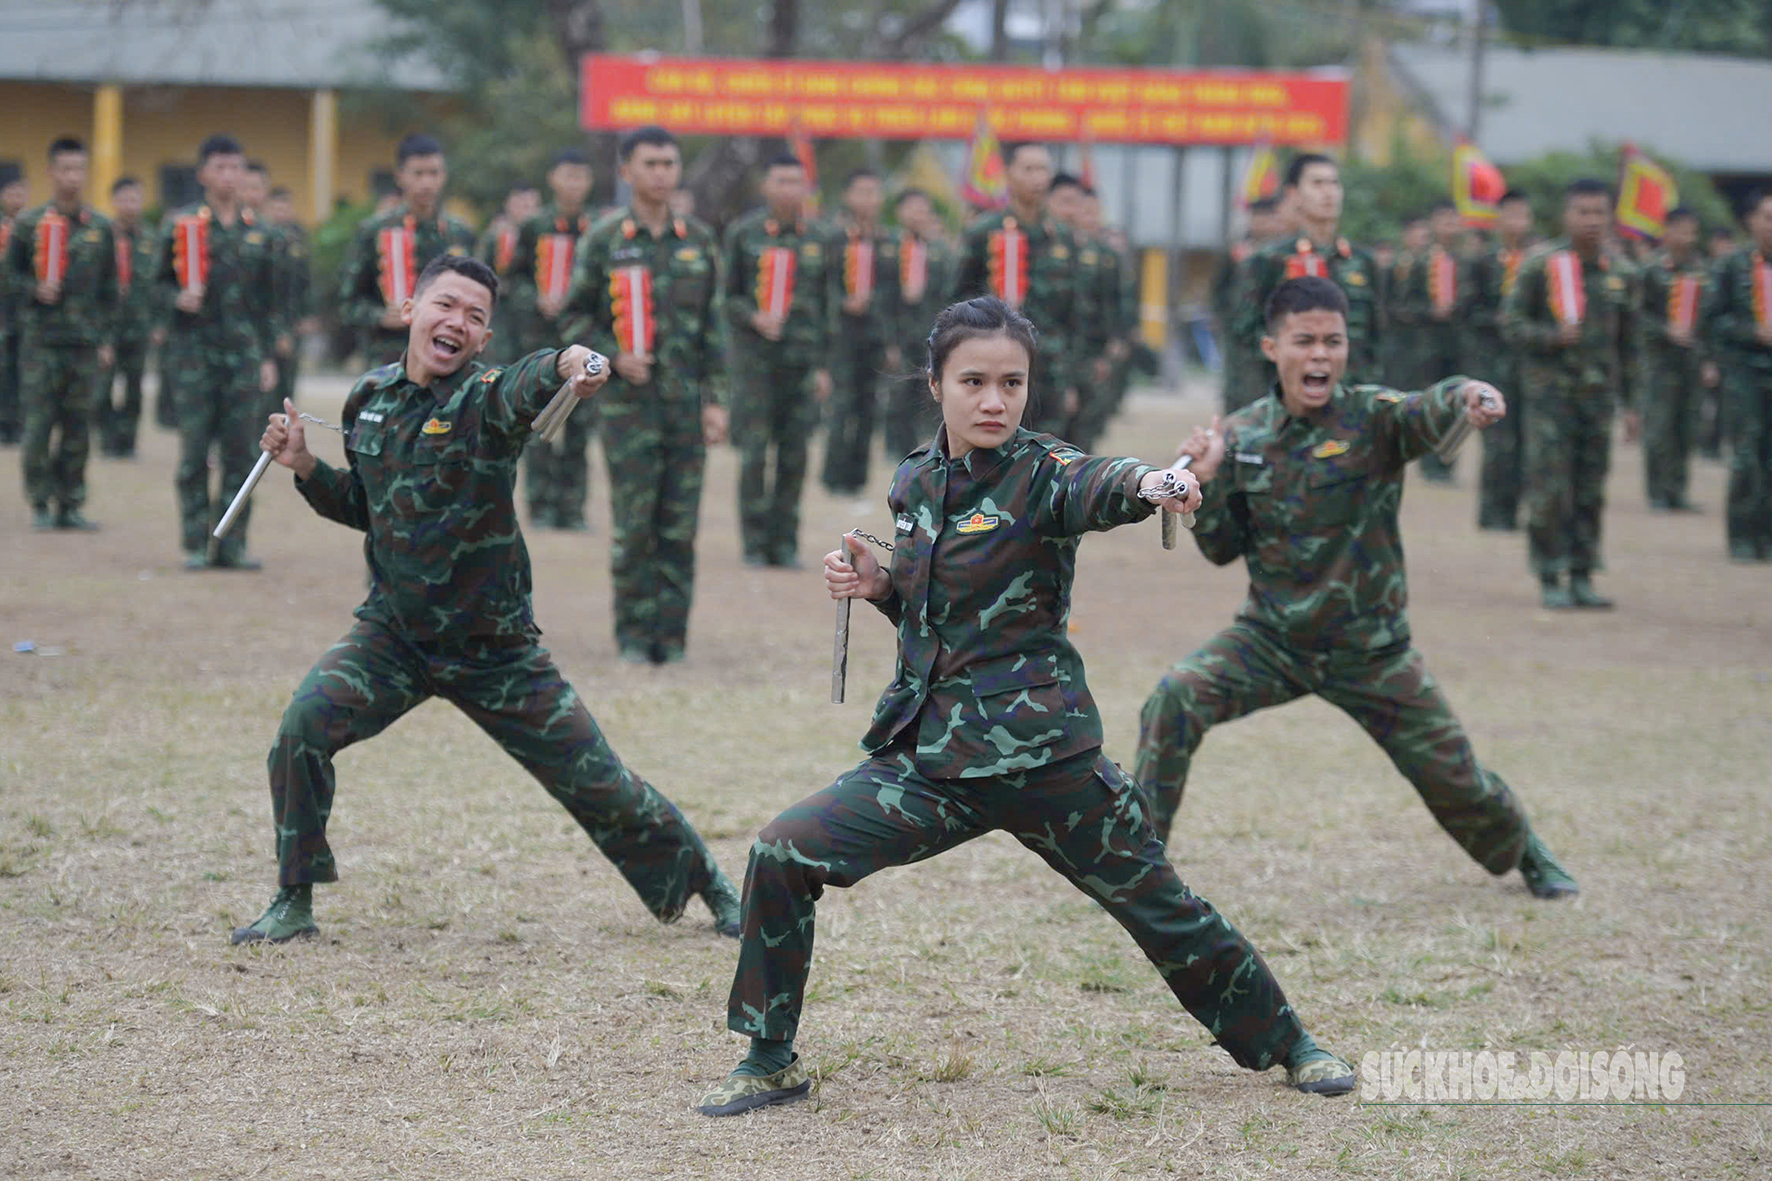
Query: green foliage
(1742,27)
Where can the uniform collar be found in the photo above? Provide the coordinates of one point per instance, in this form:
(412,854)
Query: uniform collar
(1284,418)
(393,376)
(980,461)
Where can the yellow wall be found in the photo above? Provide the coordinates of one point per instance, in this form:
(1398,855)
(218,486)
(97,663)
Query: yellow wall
(164,124)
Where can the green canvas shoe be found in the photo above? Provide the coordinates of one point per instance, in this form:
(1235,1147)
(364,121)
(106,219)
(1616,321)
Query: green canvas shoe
(42,520)
(1322,1074)
(290,916)
(1544,876)
(1553,597)
(744,1092)
(1584,595)
(727,906)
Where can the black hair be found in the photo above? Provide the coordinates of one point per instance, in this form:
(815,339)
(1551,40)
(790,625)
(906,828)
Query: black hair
(859,174)
(467,266)
(569,156)
(1587,186)
(650,136)
(279,193)
(258,166)
(1682,213)
(1443,205)
(1066,180)
(1265,205)
(63,145)
(783,160)
(418,144)
(124,182)
(1010,149)
(972,318)
(1512,195)
(907,194)
(1310,293)
(1295,170)
(523,186)
(219,144)
(1755,199)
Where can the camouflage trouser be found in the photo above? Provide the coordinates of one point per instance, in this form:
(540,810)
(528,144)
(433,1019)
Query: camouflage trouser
(1568,451)
(1502,477)
(1670,424)
(557,476)
(1750,461)
(166,397)
(1081,815)
(1094,408)
(288,369)
(218,404)
(12,420)
(771,408)
(58,387)
(512,690)
(853,408)
(653,446)
(117,423)
(1438,359)
(1388,692)
(911,416)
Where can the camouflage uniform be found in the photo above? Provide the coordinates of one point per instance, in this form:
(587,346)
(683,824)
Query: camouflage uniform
(911,416)
(1272,264)
(141,308)
(1241,379)
(295,292)
(360,299)
(858,361)
(1051,301)
(1437,346)
(989,725)
(652,438)
(772,406)
(430,482)
(1101,321)
(58,356)
(1673,382)
(11,422)
(498,249)
(1570,398)
(1311,505)
(213,358)
(1747,376)
(557,476)
(1493,273)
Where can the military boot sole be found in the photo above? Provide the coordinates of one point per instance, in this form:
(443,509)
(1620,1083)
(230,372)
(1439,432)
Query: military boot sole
(1549,891)
(742,1093)
(1320,1076)
(249,935)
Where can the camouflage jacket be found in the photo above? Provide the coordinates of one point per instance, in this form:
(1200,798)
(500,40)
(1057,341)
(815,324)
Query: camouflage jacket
(1732,314)
(811,329)
(1352,270)
(1412,299)
(360,299)
(1101,311)
(86,313)
(141,302)
(430,479)
(986,547)
(239,313)
(1603,359)
(538,239)
(7,294)
(875,325)
(295,287)
(1658,283)
(912,320)
(1311,505)
(683,268)
(1053,291)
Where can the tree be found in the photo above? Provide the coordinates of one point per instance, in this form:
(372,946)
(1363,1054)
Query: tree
(1742,27)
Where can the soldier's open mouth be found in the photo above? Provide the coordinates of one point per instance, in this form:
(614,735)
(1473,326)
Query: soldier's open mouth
(445,346)
(1316,383)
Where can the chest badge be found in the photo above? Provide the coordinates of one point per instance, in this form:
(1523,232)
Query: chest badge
(1331,449)
(437,426)
(688,254)
(978,523)
(1252,457)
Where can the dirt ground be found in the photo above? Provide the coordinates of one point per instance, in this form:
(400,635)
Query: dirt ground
(488,1000)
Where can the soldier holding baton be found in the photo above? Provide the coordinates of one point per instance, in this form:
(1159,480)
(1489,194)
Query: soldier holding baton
(989,725)
(433,443)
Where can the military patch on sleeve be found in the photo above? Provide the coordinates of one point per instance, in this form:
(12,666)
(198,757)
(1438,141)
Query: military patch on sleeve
(491,375)
(811,250)
(254,238)
(689,253)
(1389,396)
(458,251)
(1063,458)
(1355,278)
(1331,449)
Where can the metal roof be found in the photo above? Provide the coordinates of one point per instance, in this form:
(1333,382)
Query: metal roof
(1705,111)
(274,43)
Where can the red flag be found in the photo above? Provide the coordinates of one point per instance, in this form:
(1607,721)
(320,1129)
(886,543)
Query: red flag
(1261,177)
(1477,185)
(1646,195)
(984,182)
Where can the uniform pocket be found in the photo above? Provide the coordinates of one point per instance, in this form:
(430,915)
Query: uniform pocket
(1336,496)
(1019,689)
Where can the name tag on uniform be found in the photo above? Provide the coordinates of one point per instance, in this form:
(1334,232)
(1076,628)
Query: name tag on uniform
(370,416)
(904,524)
(1250,457)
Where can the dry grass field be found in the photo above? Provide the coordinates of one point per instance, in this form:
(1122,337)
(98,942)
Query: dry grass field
(488,1000)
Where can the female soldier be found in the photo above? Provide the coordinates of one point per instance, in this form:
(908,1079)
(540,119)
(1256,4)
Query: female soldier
(989,725)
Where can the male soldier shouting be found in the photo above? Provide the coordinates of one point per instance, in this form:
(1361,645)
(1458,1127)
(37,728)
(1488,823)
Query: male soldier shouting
(433,443)
(1309,494)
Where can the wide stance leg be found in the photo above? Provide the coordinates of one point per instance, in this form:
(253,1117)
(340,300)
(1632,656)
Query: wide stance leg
(1392,696)
(879,815)
(360,686)
(517,695)
(1237,672)
(1091,827)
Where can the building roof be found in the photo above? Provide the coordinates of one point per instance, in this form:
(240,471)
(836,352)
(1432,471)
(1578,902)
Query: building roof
(1705,111)
(273,43)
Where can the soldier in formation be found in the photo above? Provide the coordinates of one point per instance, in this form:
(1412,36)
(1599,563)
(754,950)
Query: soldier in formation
(1741,324)
(139,325)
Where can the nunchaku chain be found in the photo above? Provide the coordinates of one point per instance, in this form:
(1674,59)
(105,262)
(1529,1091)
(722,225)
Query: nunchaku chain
(1170,487)
(866,536)
(318,421)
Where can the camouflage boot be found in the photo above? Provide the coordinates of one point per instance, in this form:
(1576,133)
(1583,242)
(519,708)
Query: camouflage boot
(1553,595)
(1544,876)
(1315,1071)
(1582,592)
(743,1092)
(723,900)
(290,916)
